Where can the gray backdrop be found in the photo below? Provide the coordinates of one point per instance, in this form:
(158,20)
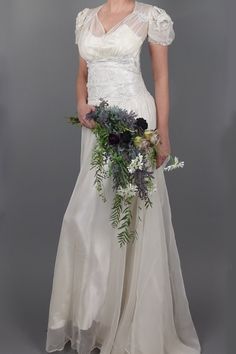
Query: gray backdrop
(40,158)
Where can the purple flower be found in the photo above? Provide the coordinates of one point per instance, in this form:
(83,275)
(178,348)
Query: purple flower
(113,139)
(125,137)
(141,123)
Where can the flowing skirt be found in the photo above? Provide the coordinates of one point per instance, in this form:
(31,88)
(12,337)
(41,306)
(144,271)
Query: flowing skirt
(122,300)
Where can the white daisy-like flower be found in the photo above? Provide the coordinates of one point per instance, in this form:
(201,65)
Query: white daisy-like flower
(129,191)
(175,165)
(136,164)
(106,164)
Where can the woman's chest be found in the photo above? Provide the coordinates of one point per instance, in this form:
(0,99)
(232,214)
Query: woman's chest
(123,40)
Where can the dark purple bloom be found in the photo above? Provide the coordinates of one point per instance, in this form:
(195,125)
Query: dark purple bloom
(125,137)
(141,123)
(113,139)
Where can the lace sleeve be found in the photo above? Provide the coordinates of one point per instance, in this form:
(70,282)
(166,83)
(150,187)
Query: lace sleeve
(160,28)
(80,18)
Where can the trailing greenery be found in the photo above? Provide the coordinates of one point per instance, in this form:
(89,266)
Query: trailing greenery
(126,153)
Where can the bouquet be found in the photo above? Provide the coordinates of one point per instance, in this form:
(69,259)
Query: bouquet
(125,151)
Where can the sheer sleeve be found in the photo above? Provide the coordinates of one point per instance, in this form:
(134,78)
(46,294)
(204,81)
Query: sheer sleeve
(80,18)
(160,27)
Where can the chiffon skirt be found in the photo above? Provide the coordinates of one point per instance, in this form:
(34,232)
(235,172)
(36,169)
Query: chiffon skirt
(122,300)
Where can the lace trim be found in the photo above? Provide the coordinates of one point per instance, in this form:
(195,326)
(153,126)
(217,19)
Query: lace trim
(80,20)
(161,19)
(160,27)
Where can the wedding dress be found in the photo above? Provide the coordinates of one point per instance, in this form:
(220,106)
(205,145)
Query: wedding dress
(130,299)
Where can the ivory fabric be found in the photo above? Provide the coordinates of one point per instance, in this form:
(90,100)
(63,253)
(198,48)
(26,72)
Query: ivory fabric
(128,300)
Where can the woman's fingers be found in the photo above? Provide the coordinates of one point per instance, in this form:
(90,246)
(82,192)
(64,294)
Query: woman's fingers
(89,123)
(86,122)
(82,120)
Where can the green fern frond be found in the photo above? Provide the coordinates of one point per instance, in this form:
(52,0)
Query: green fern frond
(116,210)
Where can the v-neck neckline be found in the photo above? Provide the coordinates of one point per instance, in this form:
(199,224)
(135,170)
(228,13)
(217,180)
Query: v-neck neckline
(118,23)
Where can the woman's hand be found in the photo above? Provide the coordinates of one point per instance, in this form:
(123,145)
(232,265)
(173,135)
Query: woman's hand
(164,151)
(82,110)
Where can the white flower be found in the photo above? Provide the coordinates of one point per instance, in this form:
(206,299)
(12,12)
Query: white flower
(175,165)
(136,164)
(129,191)
(106,159)
(106,164)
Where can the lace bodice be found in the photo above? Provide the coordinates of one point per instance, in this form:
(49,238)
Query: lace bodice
(115,54)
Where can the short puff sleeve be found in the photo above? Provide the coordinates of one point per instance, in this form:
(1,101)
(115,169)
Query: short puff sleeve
(80,18)
(160,27)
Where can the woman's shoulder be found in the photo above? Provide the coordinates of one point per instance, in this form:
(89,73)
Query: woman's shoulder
(160,29)
(144,7)
(84,14)
(152,10)
(88,11)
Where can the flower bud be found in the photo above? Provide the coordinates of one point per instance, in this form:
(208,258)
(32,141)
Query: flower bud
(137,141)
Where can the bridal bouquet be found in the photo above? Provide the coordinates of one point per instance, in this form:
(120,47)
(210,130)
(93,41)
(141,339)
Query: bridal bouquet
(126,151)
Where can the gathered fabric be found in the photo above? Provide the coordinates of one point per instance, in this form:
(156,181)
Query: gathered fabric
(111,78)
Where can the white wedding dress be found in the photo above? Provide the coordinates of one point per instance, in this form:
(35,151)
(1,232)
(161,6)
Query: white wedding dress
(130,299)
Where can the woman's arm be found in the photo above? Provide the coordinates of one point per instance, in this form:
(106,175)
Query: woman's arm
(81,80)
(159,59)
(81,94)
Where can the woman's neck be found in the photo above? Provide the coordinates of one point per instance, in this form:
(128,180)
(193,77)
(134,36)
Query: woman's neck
(116,6)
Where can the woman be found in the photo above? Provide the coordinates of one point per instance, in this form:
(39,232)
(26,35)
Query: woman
(128,300)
